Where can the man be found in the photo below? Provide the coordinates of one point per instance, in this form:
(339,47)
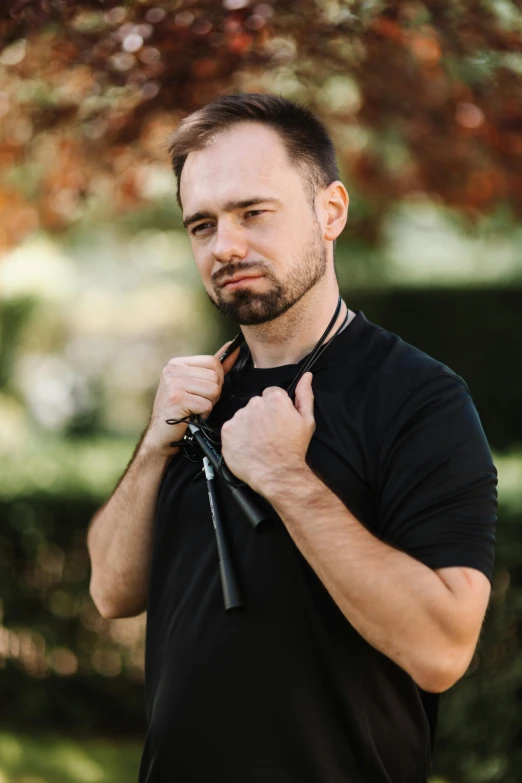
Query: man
(366,596)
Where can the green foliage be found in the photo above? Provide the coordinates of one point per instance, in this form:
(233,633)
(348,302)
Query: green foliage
(77,672)
(14,315)
(480,736)
(51,759)
(64,665)
(85,469)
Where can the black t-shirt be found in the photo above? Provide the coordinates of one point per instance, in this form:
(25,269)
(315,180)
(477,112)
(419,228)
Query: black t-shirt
(287,691)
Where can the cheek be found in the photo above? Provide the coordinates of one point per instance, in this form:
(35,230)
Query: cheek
(279,245)
(203,265)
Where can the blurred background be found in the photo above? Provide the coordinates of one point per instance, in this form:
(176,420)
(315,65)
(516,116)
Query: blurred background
(98,291)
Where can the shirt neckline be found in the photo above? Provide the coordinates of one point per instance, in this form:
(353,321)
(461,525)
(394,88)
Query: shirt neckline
(261,377)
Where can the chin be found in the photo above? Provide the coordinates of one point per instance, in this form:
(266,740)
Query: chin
(248,315)
(247,309)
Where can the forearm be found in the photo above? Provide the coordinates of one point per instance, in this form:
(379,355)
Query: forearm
(120,537)
(399,605)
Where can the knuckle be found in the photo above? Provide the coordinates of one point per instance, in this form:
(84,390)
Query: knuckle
(170,373)
(274,391)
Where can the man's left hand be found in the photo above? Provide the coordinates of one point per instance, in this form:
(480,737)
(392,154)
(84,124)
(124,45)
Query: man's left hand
(270,435)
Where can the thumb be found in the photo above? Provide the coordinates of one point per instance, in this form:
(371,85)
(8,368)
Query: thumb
(304,397)
(230,360)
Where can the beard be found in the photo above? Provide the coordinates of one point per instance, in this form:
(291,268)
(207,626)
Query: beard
(248,309)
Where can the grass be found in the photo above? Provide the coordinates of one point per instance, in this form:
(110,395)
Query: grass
(52,759)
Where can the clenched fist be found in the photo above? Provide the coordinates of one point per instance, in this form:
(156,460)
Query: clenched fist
(269,438)
(188,385)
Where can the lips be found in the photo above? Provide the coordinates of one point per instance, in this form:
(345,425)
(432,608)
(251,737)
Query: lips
(239,279)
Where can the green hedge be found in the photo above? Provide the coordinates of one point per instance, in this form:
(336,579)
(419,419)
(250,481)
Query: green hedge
(480,734)
(476,332)
(44,584)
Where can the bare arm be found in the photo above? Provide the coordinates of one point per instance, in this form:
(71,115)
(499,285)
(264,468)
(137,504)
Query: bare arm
(121,533)
(120,537)
(425,620)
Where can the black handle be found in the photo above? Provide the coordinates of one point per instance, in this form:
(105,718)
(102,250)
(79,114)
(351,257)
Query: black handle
(232,597)
(241,492)
(249,506)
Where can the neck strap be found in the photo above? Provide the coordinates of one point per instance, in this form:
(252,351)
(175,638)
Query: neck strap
(310,359)
(319,348)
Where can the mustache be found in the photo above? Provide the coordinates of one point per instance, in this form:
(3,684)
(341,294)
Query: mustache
(242,266)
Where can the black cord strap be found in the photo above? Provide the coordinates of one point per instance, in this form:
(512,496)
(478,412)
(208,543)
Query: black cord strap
(317,351)
(187,446)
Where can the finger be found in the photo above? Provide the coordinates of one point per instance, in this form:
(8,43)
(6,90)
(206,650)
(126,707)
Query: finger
(272,390)
(304,397)
(197,405)
(203,373)
(222,349)
(202,388)
(230,361)
(205,360)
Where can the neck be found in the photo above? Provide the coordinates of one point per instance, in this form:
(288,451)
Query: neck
(289,338)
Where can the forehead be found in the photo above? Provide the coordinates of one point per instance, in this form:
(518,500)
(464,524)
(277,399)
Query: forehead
(239,162)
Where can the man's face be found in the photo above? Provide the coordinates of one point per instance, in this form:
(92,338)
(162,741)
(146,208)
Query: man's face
(255,236)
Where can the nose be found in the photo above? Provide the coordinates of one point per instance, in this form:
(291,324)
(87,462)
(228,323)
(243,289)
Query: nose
(229,242)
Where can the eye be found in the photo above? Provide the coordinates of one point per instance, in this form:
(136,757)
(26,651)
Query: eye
(197,228)
(202,226)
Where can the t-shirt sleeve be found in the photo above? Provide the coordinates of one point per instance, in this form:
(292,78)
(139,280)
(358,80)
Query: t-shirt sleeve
(437,497)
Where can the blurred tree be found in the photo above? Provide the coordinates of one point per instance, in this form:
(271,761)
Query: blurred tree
(421,97)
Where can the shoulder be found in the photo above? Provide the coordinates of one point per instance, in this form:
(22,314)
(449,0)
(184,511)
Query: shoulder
(405,390)
(419,410)
(404,376)
(405,367)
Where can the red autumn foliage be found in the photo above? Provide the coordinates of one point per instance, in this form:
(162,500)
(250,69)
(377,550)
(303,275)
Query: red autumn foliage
(429,96)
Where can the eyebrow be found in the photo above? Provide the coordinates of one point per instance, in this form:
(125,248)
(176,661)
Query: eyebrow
(230,206)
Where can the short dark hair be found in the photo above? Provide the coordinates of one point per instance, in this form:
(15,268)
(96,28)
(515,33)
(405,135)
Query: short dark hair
(305,137)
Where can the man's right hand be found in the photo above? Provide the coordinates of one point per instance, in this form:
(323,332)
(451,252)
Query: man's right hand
(188,385)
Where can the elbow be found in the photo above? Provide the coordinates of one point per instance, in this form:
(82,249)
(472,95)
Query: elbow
(443,670)
(105,607)
(112,607)
(436,681)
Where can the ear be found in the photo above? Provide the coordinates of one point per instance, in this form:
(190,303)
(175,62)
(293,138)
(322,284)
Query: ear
(334,205)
